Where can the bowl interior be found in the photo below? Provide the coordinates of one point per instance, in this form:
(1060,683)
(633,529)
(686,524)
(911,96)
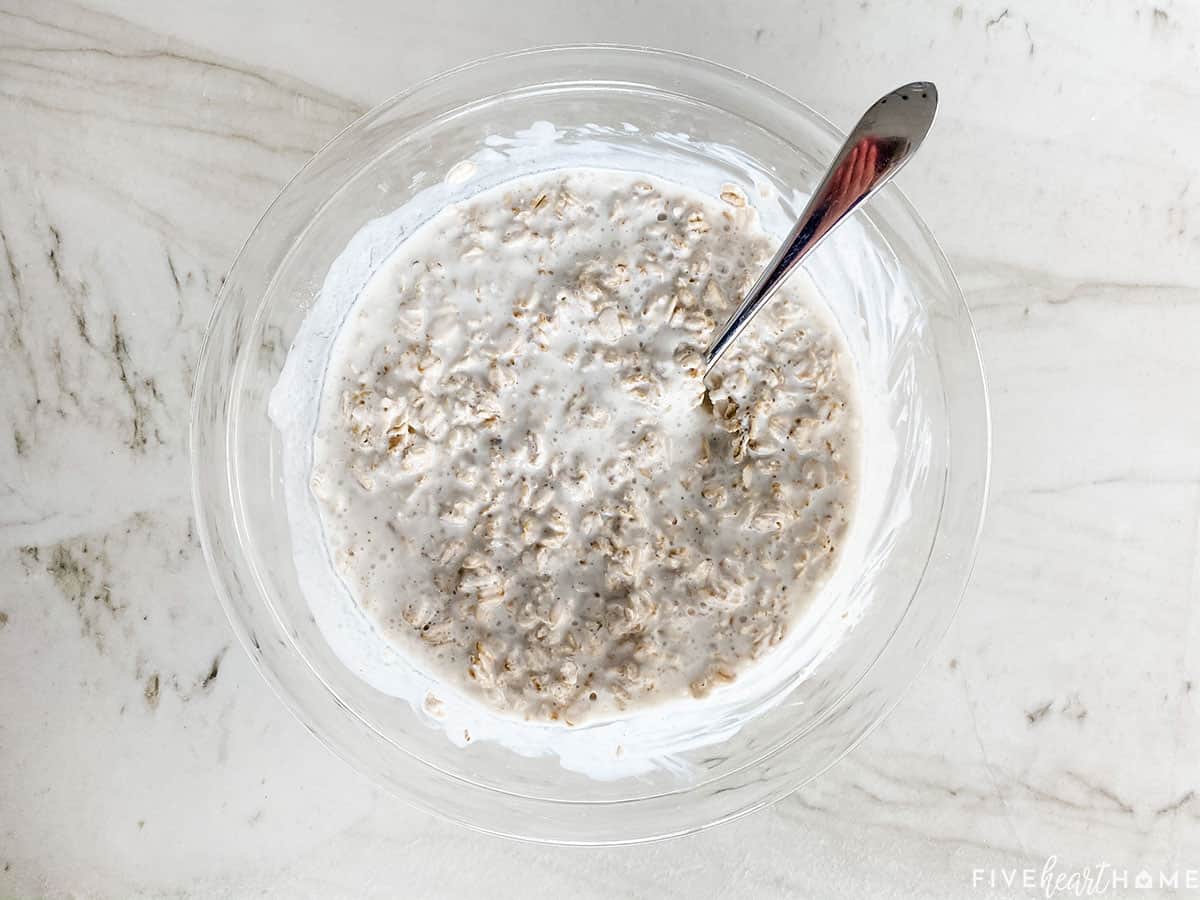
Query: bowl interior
(924,451)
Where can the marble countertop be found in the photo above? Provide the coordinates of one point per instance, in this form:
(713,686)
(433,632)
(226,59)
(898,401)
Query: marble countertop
(142,756)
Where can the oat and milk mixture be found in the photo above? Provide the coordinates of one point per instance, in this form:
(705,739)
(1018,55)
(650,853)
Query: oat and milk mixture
(522,477)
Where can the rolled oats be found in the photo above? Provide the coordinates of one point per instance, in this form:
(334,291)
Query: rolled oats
(523,479)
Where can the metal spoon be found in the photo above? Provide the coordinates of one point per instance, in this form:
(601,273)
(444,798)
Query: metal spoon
(884,139)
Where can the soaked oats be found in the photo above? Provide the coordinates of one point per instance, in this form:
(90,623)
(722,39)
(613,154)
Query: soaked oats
(524,480)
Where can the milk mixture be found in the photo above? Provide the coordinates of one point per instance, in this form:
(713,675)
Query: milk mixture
(524,479)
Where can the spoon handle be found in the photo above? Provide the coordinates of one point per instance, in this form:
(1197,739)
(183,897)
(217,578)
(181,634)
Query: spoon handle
(884,139)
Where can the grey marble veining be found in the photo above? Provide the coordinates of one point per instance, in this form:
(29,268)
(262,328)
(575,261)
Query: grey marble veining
(141,756)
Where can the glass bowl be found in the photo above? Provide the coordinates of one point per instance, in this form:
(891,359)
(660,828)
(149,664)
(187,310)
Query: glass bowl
(926,437)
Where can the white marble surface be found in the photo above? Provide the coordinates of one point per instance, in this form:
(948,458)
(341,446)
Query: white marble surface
(140,755)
